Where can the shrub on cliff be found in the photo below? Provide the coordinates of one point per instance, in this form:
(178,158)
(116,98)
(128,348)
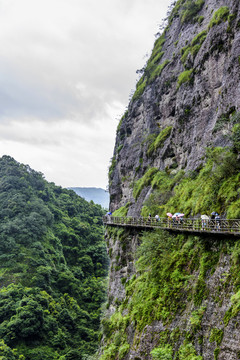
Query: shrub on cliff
(162,353)
(188,352)
(184,77)
(143,182)
(194,47)
(159,140)
(220,15)
(190,9)
(236,137)
(166,266)
(215,186)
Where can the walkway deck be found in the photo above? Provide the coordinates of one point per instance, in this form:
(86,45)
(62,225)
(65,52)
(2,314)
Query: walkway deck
(231,227)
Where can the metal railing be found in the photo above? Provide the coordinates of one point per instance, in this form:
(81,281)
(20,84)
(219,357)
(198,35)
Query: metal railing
(231,226)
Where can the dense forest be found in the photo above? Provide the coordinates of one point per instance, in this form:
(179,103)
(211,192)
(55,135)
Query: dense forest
(53,267)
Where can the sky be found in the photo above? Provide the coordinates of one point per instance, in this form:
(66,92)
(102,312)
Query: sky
(67,69)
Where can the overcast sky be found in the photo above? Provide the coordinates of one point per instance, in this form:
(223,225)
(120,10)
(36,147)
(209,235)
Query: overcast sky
(67,68)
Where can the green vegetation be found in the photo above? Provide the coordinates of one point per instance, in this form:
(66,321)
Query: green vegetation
(215,186)
(140,87)
(114,330)
(157,53)
(143,182)
(165,266)
(162,353)
(216,335)
(121,120)
(172,275)
(53,268)
(194,47)
(216,353)
(119,148)
(236,137)
(153,69)
(122,211)
(231,18)
(235,308)
(190,9)
(163,183)
(157,71)
(175,10)
(6,353)
(219,16)
(171,272)
(224,119)
(159,140)
(196,317)
(187,10)
(184,77)
(184,52)
(188,352)
(112,168)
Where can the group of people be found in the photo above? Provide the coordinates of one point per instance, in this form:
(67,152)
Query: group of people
(157,218)
(213,219)
(174,219)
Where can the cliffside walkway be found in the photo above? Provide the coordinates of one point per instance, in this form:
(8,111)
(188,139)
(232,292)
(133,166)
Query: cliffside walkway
(221,226)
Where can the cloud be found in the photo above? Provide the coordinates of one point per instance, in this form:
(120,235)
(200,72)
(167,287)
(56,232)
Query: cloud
(67,153)
(66,71)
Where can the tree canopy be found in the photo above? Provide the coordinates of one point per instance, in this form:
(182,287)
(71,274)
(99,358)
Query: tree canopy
(53,266)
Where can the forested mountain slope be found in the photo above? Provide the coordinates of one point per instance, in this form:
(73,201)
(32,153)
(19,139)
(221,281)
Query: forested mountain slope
(178,150)
(53,265)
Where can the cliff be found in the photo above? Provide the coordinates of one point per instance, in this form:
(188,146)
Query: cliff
(178,149)
(173,117)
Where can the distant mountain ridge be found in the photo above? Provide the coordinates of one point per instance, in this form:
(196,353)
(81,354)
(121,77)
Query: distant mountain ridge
(97,195)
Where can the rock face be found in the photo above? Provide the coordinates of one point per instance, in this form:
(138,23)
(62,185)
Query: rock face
(192,109)
(179,112)
(209,324)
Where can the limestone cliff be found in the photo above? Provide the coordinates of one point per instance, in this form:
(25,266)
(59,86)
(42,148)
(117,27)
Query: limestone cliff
(197,88)
(178,148)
